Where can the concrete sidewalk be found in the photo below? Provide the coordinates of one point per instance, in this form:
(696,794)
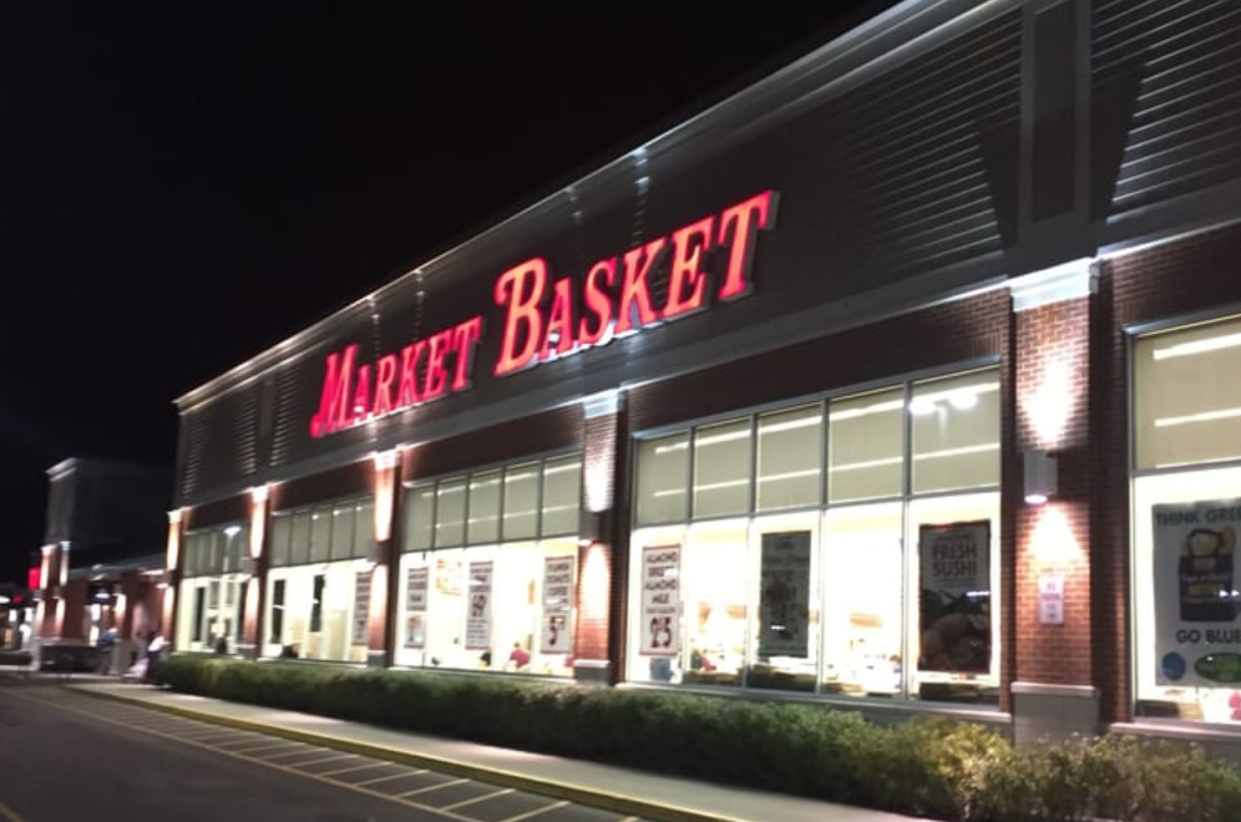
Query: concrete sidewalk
(655,797)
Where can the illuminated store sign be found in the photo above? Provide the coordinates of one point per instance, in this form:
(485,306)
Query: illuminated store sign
(545,319)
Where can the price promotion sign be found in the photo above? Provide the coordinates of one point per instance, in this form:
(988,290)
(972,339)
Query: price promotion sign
(478,619)
(558,576)
(661,600)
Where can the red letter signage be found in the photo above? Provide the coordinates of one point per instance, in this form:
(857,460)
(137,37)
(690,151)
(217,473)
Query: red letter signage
(523,319)
(546,319)
(349,398)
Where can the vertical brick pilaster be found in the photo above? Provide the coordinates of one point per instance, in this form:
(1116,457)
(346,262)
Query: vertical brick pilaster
(1109,525)
(1052,375)
(379,621)
(597,640)
(74,619)
(254,587)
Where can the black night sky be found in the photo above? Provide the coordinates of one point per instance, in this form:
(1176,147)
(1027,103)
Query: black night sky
(185,184)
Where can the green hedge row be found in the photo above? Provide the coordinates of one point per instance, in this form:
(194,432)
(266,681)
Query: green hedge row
(928,767)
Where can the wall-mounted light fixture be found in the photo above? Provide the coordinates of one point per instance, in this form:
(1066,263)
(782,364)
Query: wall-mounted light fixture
(591,527)
(1040,477)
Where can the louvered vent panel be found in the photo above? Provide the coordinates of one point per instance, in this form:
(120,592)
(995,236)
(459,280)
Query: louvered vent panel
(195,449)
(287,421)
(921,144)
(1175,70)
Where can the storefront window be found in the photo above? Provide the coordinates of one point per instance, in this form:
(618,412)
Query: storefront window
(866,450)
(211,587)
(281,536)
(863,599)
(832,600)
(663,479)
(521,501)
(562,494)
(364,529)
(954,576)
(722,470)
(788,458)
(419,520)
(502,606)
(1187,513)
(313,593)
(484,520)
(450,513)
(1184,412)
(955,426)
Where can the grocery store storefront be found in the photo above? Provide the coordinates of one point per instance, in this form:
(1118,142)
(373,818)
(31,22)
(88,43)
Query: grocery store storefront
(899,414)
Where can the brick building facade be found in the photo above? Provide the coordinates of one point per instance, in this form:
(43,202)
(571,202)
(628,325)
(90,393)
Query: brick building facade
(763,405)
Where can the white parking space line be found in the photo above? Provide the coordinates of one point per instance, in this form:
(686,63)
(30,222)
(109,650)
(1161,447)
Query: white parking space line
(536,812)
(482,798)
(430,788)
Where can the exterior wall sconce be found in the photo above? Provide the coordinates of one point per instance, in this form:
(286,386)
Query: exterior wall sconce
(591,528)
(1040,477)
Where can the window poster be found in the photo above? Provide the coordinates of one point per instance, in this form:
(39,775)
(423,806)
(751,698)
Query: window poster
(1197,636)
(659,629)
(784,595)
(361,606)
(558,578)
(416,584)
(955,607)
(416,588)
(478,619)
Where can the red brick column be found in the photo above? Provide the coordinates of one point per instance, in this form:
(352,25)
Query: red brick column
(385,560)
(255,568)
(596,637)
(1053,689)
(1053,374)
(73,624)
(173,562)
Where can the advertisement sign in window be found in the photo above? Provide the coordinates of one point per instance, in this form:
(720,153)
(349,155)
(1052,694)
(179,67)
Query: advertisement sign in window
(361,606)
(660,627)
(955,607)
(1198,639)
(478,620)
(558,577)
(416,583)
(784,595)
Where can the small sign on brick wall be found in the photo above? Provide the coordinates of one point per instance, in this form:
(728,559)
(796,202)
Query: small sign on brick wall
(1051,599)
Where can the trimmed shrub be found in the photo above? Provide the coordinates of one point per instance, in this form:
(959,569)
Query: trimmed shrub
(934,767)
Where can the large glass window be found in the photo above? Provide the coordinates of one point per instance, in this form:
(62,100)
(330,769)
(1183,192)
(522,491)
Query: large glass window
(521,501)
(484,521)
(318,577)
(887,591)
(210,592)
(562,494)
(1187,514)
(450,512)
(722,469)
(506,601)
(663,479)
(788,458)
(955,429)
(866,454)
(863,600)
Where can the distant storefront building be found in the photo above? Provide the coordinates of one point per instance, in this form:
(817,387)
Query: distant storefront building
(900,379)
(100,575)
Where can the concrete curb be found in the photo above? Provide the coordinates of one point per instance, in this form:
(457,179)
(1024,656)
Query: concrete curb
(605,800)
